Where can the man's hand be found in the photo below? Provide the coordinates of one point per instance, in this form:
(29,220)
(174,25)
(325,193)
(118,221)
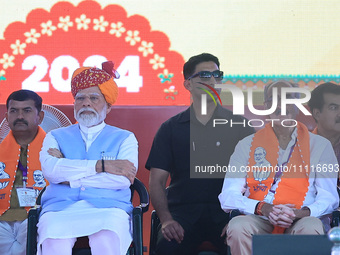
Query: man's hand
(171,229)
(55,153)
(118,167)
(224,233)
(282,215)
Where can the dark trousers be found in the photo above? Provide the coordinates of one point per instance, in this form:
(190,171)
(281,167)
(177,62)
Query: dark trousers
(205,225)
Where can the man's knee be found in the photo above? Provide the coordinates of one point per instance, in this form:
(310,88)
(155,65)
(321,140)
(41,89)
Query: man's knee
(237,226)
(308,226)
(103,236)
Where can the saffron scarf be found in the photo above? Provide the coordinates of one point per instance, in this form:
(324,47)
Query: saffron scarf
(9,155)
(293,181)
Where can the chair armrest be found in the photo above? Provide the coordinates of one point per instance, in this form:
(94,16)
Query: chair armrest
(335,218)
(153,232)
(137,221)
(143,194)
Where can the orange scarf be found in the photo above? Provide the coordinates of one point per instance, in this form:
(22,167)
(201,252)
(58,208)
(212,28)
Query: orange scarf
(293,183)
(9,154)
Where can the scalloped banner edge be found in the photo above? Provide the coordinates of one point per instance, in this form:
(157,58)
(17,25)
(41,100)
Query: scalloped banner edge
(133,38)
(292,77)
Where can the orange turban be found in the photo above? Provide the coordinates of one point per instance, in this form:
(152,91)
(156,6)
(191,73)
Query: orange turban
(86,77)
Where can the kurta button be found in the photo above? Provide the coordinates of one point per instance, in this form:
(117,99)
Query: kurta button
(82,188)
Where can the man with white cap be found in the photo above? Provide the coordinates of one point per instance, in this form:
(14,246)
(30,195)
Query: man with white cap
(90,167)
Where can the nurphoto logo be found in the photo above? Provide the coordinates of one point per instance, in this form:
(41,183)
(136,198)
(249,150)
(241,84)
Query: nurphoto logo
(239,104)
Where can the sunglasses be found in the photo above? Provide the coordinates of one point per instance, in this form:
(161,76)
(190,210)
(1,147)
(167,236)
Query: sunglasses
(206,75)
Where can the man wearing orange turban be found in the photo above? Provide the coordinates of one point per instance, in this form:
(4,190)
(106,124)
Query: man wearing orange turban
(86,77)
(90,167)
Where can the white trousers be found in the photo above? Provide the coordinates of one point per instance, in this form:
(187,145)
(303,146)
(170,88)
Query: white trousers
(82,219)
(13,236)
(103,242)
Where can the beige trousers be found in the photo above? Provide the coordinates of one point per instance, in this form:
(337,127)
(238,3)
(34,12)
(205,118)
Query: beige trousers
(241,229)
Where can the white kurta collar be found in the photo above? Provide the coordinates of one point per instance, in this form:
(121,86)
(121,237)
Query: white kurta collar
(92,130)
(89,134)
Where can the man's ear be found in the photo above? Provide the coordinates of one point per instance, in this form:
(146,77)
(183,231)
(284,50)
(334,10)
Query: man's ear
(108,109)
(6,116)
(316,114)
(41,115)
(187,85)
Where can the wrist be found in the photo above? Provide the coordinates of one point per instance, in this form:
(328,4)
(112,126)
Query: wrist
(164,216)
(303,212)
(99,167)
(258,208)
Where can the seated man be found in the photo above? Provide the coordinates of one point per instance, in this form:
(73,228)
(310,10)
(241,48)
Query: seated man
(294,193)
(324,105)
(90,167)
(19,160)
(189,210)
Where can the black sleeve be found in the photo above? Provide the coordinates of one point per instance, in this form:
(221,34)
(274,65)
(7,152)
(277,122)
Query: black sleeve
(246,131)
(161,153)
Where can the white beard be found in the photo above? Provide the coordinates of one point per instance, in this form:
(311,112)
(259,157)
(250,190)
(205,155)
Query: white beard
(90,119)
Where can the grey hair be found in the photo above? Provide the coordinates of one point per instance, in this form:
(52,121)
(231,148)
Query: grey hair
(269,85)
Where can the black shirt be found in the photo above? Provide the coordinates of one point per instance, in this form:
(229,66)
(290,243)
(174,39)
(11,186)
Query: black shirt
(183,145)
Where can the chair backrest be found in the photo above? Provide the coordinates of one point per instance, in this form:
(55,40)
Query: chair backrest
(38,200)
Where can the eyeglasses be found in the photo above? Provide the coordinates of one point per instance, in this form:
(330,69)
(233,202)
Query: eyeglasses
(206,75)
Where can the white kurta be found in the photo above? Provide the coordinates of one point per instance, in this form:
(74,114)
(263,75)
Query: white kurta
(82,218)
(322,196)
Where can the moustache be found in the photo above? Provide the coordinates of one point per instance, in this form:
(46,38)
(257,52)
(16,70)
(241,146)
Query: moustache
(86,109)
(20,121)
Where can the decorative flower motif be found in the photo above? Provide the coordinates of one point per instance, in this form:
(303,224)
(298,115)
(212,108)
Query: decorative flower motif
(146,48)
(157,62)
(47,28)
(18,48)
(132,37)
(171,92)
(100,24)
(65,23)
(32,36)
(7,61)
(83,22)
(165,76)
(117,29)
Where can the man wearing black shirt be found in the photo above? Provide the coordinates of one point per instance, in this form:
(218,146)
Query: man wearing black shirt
(194,152)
